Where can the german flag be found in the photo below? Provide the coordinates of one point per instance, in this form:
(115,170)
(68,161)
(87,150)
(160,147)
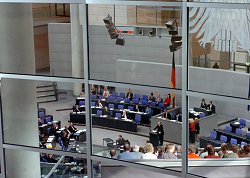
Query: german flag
(173,81)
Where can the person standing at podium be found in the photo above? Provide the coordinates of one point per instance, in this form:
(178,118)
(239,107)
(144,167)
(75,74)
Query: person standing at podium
(160,131)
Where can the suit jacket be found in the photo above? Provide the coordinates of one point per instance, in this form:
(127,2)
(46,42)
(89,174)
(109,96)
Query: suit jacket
(203,105)
(211,107)
(159,129)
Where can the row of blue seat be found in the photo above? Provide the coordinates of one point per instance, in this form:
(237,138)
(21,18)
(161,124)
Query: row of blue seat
(223,138)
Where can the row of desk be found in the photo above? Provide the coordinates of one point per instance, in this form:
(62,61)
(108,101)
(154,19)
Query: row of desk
(130,114)
(155,109)
(121,124)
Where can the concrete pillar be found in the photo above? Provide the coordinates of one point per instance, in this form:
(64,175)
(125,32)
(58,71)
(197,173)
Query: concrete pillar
(76,47)
(19,96)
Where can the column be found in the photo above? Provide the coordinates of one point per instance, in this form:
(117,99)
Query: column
(19,96)
(76,47)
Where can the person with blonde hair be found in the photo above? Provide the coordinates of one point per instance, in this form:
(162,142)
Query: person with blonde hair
(149,152)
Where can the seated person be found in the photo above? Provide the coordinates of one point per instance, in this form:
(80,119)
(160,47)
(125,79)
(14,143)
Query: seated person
(167,101)
(99,91)
(65,139)
(158,99)
(203,104)
(148,110)
(54,130)
(106,92)
(40,122)
(178,117)
(124,114)
(166,114)
(129,94)
(112,153)
(72,128)
(137,108)
(92,89)
(76,108)
(211,107)
(82,94)
(120,140)
(106,111)
(99,104)
(151,97)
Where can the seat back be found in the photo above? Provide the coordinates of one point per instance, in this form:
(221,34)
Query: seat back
(114,94)
(122,95)
(120,107)
(243,143)
(92,103)
(81,103)
(242,122)
(99,112)
(101,97)
(110,98)
(131,108)
(238,131)
(118,115)
(152,103)
(111,106)
(228,129)
(135,101)
(144,102)
(233,141)
(93,97)
(161,105)
(118,99)
(145,97)
(137,96)
(138,118)
(223,138)
(213,135)
(127,100)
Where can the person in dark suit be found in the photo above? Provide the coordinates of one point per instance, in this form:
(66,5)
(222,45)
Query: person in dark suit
(106,111)
(72,128)
(211,107)
(203,104)
(166,114)
(160,131)
(151,97)
(129,94)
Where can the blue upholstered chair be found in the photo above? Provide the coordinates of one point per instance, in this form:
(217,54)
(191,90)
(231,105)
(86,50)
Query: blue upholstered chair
(131,108)
(120,107)
(110,98)
(243,143)
(145,97)
(111,106)
(119,99)
(114,94)
(137,96)
(238,131)
(223,138)
(242,122)
(161,105)
(126,100)
(233,141)
(81,103)
(213,135)
(135,101)
(99,112)
(152,103)
(118,115)
(137,118)
(93,97)
(144,102)
(101,97)
(93,103)
(122,95)
(228,129)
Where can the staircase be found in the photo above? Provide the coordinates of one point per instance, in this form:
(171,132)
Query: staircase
(47,92)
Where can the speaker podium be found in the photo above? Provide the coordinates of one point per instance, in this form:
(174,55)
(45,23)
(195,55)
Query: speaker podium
(154,138)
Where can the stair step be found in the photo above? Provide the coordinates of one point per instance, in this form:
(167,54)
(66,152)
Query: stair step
(43,91)
(44,96)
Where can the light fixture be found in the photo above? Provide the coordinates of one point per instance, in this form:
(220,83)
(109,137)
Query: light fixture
(120,40)
(113,32)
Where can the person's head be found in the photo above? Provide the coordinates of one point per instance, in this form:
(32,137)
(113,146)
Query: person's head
(158,151)
(129,90)
(196,120)
(149,148)
(170,148)
(112,152)
(152,94)
(105,88)
(223,148)
(71,123)
(210,150)
(246,149)
(126,146)
(136,148)
(203,100)
(210,102)
(119,136)
(141,149)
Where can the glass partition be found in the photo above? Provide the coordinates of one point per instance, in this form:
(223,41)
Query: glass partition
(129,51)
(37,114)
(38,40)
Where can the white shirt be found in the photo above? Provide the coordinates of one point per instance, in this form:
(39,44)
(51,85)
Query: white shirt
(149,156)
